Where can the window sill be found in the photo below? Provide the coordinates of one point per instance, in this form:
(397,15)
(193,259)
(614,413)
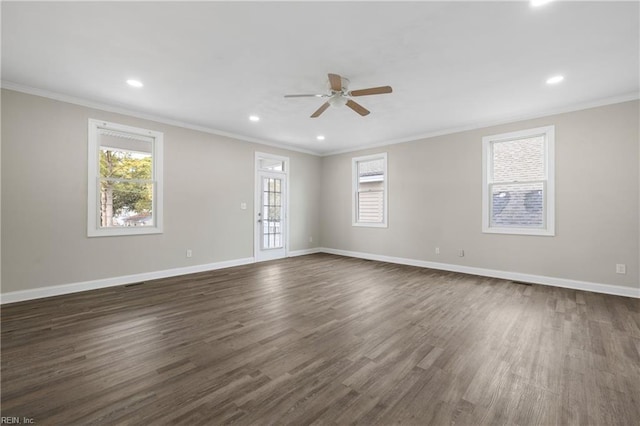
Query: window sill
(520,231)
(369,225)
(119,232)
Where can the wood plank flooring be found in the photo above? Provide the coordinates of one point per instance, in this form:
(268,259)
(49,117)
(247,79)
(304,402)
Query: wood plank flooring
(323,339)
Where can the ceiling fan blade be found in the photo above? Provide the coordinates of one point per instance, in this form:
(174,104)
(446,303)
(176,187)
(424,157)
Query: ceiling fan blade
(371,91)
(336,82)
(320,110)
(358,108)
(306,96)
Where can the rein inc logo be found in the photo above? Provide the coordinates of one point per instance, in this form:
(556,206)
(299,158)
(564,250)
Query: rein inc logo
(16,420)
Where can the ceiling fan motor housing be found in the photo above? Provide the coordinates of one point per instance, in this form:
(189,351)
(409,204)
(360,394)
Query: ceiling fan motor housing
(338,99)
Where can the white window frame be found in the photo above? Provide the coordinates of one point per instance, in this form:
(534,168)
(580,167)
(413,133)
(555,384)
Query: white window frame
(93,212)
(355,186)
(548,228)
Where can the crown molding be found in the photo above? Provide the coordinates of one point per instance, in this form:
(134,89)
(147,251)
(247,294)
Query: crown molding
(632,96)
(9,85)
(474,126)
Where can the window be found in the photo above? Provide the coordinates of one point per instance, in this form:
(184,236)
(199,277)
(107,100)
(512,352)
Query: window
(370,190)
(125,180)
(271,164)
(518,182)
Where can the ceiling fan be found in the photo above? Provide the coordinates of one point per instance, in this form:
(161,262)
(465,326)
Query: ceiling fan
(341,95)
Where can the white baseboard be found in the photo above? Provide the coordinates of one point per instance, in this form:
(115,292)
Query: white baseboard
(304,252)
(37,293)
(615,290)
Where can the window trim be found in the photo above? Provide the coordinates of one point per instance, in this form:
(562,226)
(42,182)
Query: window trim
(354,191)
(549,183)
(93,212)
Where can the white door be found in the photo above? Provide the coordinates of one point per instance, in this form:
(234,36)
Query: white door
(271,214)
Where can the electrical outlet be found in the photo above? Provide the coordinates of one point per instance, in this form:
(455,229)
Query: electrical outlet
(621,268)
(460,253)
(437,250)
(189,253)
(243,206)
(310,239)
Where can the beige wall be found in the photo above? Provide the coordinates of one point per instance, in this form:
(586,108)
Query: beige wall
(206,177)
(435,201)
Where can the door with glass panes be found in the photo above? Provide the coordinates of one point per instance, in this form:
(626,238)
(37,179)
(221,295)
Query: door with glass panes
(271,216)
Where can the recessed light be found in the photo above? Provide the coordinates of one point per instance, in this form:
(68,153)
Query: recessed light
(537,3)
(135,83)
(555,79)
(320,137)
(254,118)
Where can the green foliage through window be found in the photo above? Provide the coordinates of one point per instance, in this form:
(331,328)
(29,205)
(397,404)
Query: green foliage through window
(126,186)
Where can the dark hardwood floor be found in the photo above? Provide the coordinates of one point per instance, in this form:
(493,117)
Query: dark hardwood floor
(323,339)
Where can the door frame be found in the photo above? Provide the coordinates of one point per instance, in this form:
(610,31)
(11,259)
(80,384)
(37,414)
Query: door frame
(257,196)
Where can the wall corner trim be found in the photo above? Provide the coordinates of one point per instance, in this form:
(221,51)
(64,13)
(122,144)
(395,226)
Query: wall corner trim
(38,293)
(610,289)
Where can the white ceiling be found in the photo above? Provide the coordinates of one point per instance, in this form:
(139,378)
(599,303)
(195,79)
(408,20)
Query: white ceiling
(452,65)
